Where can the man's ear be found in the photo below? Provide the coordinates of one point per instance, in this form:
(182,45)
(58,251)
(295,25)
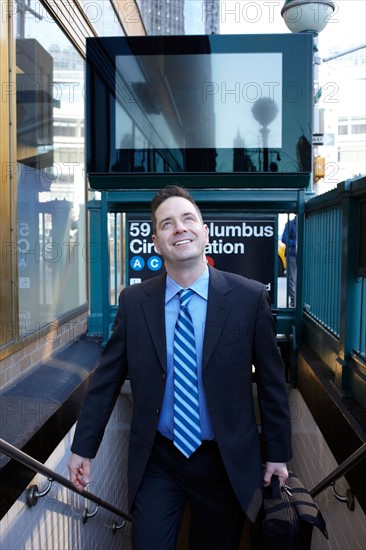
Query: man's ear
(205,227)
(156,244)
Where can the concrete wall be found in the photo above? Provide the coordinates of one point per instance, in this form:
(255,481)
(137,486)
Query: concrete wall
(55,523)
(312,462)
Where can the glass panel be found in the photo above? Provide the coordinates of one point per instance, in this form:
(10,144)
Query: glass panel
(104,19)
(197,99)
(50,171)
(190,111)
(116,235)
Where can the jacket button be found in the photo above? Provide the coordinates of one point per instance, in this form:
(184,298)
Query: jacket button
(150,446)
(163,376)
(157,411)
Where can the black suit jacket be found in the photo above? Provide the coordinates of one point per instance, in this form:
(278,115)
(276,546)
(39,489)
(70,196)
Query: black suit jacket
(239,333)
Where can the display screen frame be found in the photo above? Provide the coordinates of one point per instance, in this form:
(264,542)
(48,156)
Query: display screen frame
(110,166)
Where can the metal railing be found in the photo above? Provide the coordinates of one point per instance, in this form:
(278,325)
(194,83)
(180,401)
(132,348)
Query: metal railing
(334,287)
(33,493)
(334,298)
(37,466)
(323,262)
(340,471)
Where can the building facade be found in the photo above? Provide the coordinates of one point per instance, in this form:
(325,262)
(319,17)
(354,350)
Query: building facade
(176,17)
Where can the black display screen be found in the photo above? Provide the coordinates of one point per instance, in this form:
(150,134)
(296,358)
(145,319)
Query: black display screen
(218,104)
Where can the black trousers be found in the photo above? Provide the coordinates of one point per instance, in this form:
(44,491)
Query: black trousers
(169,482)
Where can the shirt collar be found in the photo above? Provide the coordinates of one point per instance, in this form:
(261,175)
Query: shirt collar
(200,286)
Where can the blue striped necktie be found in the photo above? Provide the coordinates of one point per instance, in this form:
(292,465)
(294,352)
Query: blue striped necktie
(187,429)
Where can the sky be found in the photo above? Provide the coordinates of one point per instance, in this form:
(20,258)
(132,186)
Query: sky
(345,29)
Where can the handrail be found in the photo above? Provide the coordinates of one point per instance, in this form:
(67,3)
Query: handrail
(37,466)
(342,469)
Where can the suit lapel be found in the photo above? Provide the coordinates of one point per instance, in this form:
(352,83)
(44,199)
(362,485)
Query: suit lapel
(218,307)
(153,304)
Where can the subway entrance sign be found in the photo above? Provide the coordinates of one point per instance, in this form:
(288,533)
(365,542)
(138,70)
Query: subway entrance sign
(243,244)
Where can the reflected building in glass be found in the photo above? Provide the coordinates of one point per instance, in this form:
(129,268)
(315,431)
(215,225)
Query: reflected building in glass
(162,17)
(177,17)
(50,171)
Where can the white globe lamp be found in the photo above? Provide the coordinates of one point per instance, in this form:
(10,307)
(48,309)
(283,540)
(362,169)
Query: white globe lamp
(305,16)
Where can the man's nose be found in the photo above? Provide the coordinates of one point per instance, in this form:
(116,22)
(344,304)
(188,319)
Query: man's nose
(180,227)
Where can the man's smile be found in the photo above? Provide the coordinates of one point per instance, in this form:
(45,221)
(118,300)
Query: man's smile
(183,241)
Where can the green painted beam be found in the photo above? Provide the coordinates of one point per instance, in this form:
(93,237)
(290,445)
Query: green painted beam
(279,200)
(231,180)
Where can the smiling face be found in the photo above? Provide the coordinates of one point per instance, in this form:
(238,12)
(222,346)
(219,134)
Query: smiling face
(180,235)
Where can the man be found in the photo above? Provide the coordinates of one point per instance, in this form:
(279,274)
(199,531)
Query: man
(223,328)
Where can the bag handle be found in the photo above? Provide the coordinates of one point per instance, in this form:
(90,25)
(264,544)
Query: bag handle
(276,488)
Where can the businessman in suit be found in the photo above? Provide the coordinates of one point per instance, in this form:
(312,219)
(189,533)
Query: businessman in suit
(216,465)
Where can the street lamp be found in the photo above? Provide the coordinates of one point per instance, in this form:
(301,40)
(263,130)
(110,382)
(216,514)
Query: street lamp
(306,16)
(312,17)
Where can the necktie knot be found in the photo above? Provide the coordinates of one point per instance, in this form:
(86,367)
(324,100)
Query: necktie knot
(185,295)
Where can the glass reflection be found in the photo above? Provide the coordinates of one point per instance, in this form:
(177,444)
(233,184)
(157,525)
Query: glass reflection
(185,102)
(49,170)
(104,16)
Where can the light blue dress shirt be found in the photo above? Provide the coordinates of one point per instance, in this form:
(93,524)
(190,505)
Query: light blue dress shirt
(198,308)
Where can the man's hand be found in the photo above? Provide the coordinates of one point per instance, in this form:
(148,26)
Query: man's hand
(275,468)
(79,471)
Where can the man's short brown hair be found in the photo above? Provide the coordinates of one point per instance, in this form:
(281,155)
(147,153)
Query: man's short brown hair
(167,192)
